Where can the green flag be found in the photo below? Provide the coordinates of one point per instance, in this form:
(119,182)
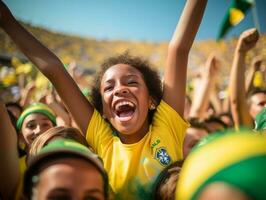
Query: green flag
(234,15)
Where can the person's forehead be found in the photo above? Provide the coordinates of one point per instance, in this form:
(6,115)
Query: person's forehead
(64,172)
(258,97)
(121,70)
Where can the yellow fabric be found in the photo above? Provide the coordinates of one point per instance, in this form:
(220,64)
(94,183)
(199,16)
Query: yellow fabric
(213,153)
(133,168)
(22,169)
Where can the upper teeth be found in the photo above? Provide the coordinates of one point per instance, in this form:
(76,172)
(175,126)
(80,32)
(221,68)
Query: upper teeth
(123,103)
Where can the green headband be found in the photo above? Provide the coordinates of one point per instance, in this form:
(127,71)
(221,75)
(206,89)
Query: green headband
(238,159)
(68,146)
(36,108)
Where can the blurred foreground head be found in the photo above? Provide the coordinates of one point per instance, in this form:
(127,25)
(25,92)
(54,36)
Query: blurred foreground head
(65,169)
(225,166)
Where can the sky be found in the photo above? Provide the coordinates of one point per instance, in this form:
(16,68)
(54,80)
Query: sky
(134,20)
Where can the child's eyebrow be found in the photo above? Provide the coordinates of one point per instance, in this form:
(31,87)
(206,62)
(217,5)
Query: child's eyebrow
(111,80)
(132,75)
(31,121)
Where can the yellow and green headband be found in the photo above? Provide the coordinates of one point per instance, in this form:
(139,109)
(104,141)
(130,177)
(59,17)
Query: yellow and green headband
(238,159)
(36,108)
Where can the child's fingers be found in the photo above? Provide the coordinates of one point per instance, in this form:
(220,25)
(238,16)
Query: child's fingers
(248,39)
(251,35)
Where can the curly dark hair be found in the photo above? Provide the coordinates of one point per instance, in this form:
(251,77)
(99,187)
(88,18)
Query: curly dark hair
(150,76)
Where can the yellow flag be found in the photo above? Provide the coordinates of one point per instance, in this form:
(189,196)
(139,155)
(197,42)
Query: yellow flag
(258,79)
(236,16)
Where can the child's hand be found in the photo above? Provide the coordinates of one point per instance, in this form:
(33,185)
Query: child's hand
(248,39)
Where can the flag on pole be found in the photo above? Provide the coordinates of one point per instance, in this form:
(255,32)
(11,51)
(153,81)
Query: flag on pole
(234,15)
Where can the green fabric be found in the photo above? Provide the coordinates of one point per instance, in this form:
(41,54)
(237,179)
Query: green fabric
(240,5)
(36,108)
(66,144)
(260,120)
(248,176)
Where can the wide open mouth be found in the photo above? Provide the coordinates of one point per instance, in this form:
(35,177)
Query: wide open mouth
(125,110)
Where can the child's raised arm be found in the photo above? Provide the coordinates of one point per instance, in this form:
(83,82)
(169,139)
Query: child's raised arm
(9,160)
(50,66)
(202,94)
(239,107)
(177,57)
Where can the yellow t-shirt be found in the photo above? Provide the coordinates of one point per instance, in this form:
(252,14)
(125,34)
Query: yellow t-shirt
(133,168)
(22,169)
